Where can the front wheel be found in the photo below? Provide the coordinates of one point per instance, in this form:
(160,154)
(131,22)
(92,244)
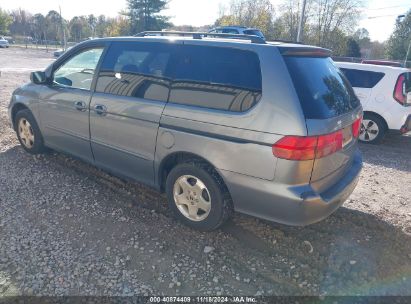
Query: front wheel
(372,130)
(28,132)
(197,196)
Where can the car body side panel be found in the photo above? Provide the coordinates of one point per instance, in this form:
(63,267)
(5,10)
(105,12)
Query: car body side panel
(245,157)
(124,139)
(28,96)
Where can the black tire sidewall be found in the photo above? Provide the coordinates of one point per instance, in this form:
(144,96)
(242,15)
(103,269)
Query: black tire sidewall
(381,127)
(38,146)
(216,215)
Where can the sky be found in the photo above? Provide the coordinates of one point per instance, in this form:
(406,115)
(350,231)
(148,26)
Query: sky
(378,16)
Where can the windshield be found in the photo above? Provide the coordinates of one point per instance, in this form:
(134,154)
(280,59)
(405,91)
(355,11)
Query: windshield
(323,90)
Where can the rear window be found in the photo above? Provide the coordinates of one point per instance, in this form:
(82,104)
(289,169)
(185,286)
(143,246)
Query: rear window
(362,79)
(323,90)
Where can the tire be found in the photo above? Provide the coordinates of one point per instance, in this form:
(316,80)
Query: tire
(203,189)
(28,132)
(373,129)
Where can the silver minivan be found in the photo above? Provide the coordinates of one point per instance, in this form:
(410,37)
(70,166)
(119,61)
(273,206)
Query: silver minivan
(269,129)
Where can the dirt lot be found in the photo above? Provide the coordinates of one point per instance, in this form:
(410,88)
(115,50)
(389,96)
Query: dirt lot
(69,229)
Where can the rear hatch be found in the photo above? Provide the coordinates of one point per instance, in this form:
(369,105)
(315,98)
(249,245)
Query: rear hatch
(332,111)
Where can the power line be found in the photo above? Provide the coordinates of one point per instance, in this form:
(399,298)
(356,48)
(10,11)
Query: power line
(380,8)
(381,16)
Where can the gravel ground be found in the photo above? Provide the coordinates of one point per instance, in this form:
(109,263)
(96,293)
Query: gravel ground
(67,228)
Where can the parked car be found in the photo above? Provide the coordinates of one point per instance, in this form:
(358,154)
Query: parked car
(384,92)
(266,129)
(9,39)
(4,43)
(237,30)
(59,52)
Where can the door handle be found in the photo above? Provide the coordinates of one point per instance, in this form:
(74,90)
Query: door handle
(80,105)
(100,109)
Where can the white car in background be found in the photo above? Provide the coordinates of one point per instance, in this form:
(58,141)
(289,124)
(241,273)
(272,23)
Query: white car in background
(385,94)
(3,43)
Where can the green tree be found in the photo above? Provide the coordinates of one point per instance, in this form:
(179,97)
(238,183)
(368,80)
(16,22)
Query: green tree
(144,15)
(92,22)
(40,26)
(77,27)
(53,20)
(400,38)
(352,48)
(5,21)
(100,26)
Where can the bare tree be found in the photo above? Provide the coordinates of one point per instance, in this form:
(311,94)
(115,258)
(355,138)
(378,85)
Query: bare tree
(251,13)
(331,17)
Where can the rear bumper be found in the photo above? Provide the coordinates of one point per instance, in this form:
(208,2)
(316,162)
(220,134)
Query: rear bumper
(292,205)
(407,125)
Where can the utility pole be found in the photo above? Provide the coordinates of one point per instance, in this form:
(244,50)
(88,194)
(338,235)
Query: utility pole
(300,25)
(408,51)
(409,44)
(62,30)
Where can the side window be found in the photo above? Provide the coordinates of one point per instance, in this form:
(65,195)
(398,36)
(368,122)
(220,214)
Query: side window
(136,70)
(230,31)
(78,71)
(362,79)
(218,78)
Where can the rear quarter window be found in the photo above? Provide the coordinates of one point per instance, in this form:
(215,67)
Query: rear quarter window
(362,79)
(323,90)
(216,78)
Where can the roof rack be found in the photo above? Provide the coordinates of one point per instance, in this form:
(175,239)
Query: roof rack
(201,35)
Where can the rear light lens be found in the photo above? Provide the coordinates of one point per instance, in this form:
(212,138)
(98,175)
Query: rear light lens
(329,144)
(399,92)
(308,147)
(356,126)
(296,147)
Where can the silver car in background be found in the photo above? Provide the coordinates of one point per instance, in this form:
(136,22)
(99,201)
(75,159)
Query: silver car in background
(4,42)
(241,30)
(219,124)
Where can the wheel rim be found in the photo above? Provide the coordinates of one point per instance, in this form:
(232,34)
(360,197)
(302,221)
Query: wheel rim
(192,198)
(369,130)
(26,133)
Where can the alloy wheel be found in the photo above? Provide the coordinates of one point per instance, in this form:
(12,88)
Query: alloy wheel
(192,197)
(26,133)
(369,130)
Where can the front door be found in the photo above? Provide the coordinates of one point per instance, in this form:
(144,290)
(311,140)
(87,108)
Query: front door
(64,104)
(131,92)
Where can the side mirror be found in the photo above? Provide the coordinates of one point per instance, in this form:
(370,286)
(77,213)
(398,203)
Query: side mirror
(38,77)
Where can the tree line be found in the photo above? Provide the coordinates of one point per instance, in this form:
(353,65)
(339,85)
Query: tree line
(327,23)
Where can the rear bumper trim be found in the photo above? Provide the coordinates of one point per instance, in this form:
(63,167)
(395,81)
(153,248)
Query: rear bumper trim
(297,205)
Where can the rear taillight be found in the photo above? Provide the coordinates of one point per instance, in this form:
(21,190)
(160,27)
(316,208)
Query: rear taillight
(399,92)
(296,147)
(308,147)
(356,127)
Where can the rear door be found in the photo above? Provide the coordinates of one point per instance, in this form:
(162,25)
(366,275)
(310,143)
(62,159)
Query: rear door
(131,91)
(362,82)
(329,105)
